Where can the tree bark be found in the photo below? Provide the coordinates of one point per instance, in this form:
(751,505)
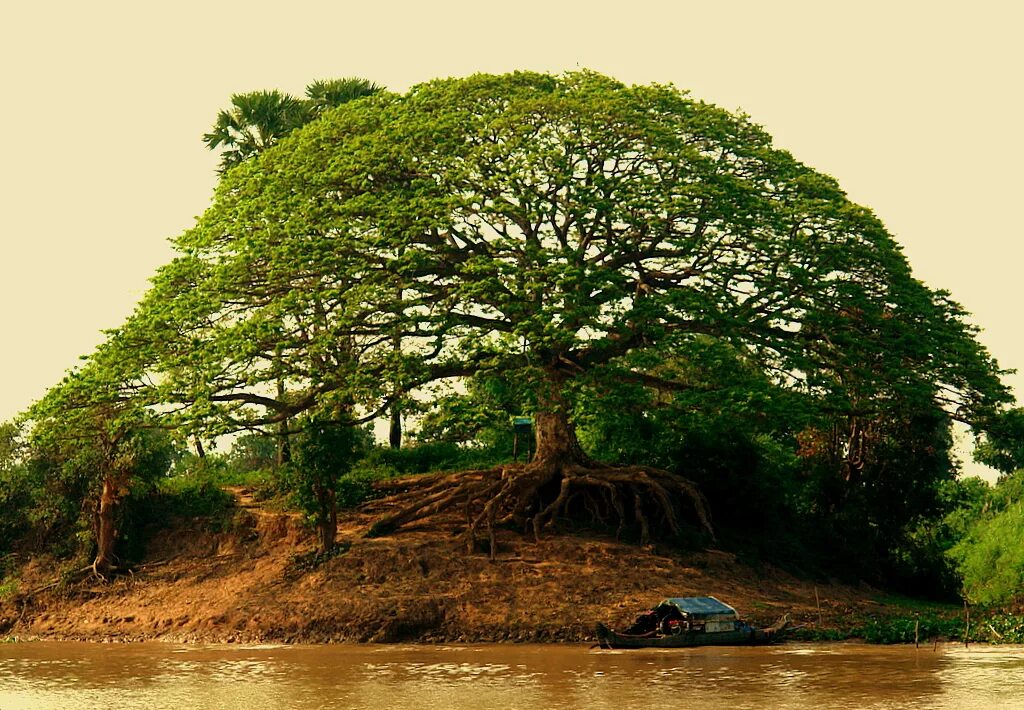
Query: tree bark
(395,431)
(534,494)
(555,439)
(554,435)
(327,521)
(106,528)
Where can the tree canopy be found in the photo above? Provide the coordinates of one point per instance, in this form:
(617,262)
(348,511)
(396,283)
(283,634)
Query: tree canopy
(557,225)
(566,231)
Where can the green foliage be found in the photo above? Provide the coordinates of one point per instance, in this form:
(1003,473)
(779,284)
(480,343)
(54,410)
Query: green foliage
(890,630)
(471,217)
(990,556)
(356,487)
(427,457)
(1002,443)
(985,627)
(259,119)
(195,498)
(190,497)
(8,587)
(252,452)
(481,415)
(319,475)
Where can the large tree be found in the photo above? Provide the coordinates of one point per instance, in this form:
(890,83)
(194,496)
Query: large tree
(565,231)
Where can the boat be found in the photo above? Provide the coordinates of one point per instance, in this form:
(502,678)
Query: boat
(689,621)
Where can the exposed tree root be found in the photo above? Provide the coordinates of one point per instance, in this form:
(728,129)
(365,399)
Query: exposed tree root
(533,495)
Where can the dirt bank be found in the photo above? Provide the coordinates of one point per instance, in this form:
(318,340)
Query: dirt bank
(250,585)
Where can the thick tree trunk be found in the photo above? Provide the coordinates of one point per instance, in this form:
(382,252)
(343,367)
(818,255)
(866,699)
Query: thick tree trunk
(555,438)
(106,528)
(554,434)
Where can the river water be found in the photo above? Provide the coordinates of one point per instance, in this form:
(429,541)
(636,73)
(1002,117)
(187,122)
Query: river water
(164,676)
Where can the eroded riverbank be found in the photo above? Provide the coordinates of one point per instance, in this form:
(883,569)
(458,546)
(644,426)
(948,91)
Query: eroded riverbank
(253,583)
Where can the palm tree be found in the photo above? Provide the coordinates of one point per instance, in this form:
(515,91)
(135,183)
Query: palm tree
(328,93)
(258,119)
(255,122)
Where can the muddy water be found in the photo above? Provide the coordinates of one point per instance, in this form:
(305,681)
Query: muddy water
(67,675)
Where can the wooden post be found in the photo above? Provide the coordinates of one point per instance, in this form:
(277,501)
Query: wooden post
(817,601)
(967,624)
(917,629)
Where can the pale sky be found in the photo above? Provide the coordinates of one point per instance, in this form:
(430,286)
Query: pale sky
(915,107)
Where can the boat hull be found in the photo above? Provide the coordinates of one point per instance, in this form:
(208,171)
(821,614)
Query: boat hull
(744,637)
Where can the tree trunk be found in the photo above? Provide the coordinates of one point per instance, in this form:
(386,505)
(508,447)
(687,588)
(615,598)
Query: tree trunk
(395,432)
(327,521)
(106,528)
(284,449)
(554,434)
(200,450)
(555,438)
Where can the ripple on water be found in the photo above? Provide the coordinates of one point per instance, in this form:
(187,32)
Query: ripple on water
(499,677)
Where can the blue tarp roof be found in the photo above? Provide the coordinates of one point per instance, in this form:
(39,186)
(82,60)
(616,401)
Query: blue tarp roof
(699,606)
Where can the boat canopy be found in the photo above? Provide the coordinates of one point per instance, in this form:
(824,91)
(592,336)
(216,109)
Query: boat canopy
(701,607)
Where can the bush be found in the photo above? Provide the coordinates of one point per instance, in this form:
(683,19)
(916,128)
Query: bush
(433,456)
(989,554)
(191,497)
(990,558)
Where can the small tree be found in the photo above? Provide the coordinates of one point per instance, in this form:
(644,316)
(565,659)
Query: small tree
(325,451)
(90,426)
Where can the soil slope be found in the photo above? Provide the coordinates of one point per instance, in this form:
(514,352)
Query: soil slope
(254,584)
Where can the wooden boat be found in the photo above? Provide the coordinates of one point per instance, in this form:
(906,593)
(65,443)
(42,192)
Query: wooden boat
(689,621)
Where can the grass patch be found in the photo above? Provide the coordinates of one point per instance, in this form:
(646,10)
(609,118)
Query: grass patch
(9,587)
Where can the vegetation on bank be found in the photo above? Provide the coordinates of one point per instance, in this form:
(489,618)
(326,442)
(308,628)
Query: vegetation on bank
(706,336)
(981,625)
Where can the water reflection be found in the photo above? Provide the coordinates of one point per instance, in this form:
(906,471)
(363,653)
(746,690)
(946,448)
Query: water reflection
(67,675)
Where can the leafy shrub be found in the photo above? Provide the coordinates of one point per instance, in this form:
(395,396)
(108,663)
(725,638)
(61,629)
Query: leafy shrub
(192,497)
(991,557)
(356,486)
